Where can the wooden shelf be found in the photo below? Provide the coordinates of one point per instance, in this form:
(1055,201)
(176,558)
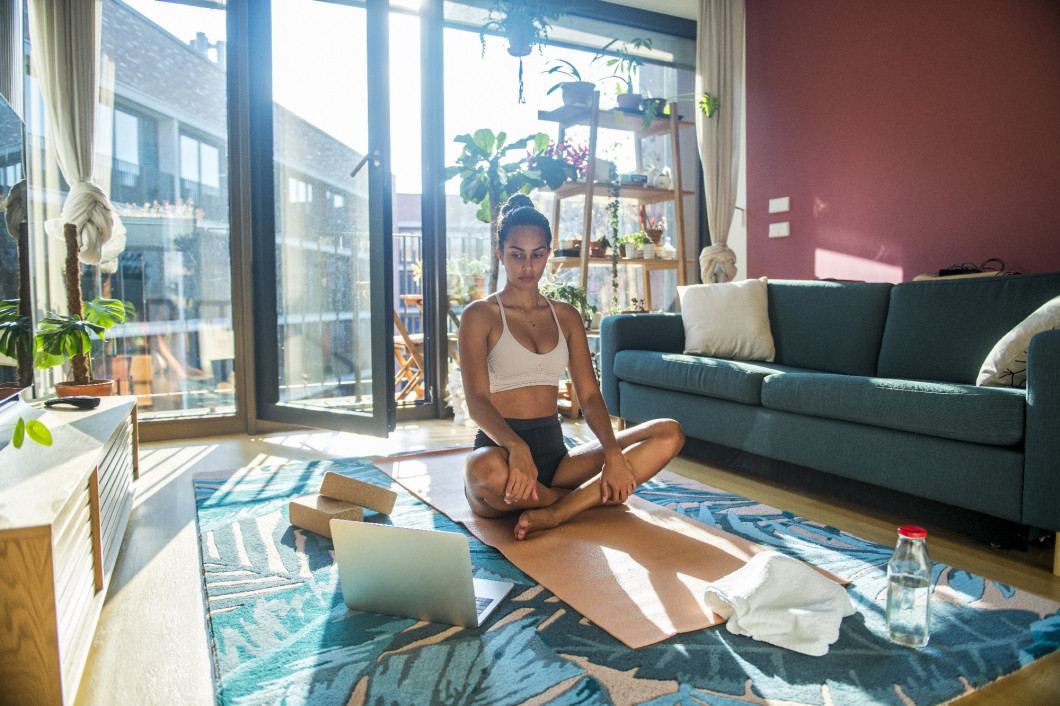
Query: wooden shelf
(591,115)
(658,263)
(643,194)
(615,119)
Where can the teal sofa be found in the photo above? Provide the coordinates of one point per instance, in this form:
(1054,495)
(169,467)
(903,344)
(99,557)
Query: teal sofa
(871,382)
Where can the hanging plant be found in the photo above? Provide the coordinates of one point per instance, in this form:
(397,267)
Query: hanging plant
(525,23)
(612,227)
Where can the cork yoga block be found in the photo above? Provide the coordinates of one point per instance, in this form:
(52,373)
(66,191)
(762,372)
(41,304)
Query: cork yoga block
(368,496)
(315,512)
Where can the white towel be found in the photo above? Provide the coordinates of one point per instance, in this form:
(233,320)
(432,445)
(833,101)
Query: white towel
(780,600)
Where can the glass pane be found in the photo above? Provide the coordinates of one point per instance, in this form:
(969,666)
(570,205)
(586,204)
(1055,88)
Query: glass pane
(163,75)
(664,71)
(320,133)
(412,385)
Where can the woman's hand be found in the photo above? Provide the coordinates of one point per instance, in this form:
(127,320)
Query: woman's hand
(617,481)
(522,475)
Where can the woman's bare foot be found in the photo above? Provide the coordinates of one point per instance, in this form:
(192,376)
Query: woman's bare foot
(534,520)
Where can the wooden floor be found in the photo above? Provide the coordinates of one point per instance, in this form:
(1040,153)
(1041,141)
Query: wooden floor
(151,648)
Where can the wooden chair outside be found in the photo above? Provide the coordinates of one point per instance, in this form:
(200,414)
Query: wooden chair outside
(408,359)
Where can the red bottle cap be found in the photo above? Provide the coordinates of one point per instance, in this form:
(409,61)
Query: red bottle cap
(912,531)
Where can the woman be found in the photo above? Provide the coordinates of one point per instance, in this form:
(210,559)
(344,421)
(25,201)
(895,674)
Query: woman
(514,345)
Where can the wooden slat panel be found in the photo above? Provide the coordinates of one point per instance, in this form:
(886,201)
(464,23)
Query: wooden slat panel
(97,533)
(29,645)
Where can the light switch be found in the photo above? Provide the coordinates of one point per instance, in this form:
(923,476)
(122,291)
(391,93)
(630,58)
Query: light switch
(779,230)
(781,205)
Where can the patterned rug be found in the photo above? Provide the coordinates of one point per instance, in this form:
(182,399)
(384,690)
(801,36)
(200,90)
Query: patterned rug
(280,633)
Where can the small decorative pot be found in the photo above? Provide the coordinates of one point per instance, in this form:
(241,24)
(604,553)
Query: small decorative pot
(629,251)
(655,234)
(577,92)
(662,181)
(647,251)
(628,101)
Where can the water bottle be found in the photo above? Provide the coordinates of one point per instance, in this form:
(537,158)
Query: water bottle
(909,589)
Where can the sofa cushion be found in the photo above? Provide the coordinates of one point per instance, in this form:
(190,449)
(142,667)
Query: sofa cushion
(727,320)
(834,327)
(1006,365)
(726,379)
(961,412)
(943,329)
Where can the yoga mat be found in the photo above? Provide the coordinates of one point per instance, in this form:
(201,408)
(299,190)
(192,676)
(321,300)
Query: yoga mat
(637,570)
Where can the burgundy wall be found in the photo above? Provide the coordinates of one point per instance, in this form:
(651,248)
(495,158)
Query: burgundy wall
(909,135)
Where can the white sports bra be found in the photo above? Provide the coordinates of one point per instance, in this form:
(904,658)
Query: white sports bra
(512,366)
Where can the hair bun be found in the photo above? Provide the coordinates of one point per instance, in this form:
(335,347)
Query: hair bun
(517,201)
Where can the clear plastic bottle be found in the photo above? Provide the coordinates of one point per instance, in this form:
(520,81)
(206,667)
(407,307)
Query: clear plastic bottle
(909,589)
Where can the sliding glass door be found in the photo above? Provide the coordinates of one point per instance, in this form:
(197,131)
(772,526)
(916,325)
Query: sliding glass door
(321,211)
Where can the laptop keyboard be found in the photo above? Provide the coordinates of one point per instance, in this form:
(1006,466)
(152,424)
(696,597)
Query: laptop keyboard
(482,604)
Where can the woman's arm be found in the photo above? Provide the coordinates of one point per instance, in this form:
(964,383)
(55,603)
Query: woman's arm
(475,324)
(617,481)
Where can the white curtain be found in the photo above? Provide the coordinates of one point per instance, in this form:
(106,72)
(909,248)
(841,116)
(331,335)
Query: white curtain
(719,71)
(64,40)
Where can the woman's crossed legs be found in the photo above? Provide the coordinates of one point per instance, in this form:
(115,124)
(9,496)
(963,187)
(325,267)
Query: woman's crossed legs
(576,487)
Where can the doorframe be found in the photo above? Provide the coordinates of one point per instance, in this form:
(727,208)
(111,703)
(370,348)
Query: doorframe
(259,341)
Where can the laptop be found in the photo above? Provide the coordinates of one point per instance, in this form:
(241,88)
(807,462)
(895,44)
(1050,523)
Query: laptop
(412,573)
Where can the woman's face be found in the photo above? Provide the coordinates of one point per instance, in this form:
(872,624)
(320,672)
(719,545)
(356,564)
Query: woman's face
(524,255)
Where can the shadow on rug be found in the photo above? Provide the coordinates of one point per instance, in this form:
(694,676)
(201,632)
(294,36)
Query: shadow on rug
(279,631)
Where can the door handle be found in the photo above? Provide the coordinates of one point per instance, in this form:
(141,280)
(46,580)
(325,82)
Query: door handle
(374,156)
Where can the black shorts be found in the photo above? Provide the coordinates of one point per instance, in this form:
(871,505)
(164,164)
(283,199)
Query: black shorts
(544,436)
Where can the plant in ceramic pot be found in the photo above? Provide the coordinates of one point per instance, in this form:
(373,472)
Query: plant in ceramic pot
(631,242)
(68,337)
(574,89)
(625,67)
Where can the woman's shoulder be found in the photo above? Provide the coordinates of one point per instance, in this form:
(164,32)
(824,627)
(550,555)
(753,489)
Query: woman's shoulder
(481,310)
(567,314)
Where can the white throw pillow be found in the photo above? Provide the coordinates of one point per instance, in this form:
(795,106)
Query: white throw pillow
(1006,366)
(727,320)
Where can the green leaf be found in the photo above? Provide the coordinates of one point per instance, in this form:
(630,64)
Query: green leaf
(36,430)
(104,312)
(484,140)
(20,433)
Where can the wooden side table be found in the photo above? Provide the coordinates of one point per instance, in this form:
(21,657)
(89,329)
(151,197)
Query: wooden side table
(63,512)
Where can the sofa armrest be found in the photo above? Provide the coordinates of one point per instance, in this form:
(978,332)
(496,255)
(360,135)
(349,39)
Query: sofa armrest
(1041,469)
(646,332)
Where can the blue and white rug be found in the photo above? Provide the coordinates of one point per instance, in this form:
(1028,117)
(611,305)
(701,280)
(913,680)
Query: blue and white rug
(280,633)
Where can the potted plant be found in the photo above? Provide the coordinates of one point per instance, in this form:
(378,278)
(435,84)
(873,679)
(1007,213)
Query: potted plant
(560,161)
(656,107)
(631,242)
(488,182)
(16,345)
(574,295)
(525,23)
(625,67)
(16,326)
(574,90)
(69,337)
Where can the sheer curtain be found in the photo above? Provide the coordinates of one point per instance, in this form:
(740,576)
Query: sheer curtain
(64,53)
(719,71)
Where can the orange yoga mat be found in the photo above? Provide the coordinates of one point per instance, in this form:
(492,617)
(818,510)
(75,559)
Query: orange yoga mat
(637,570)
